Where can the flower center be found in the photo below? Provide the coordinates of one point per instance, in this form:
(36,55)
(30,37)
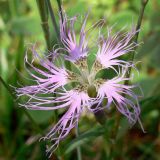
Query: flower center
(86,79)
(91,90)
(82,63)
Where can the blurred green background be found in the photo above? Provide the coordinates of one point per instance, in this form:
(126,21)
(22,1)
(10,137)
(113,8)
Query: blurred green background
(20,25)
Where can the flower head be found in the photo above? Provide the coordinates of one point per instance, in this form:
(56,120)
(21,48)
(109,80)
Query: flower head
(75,48)
(115,92)
(115,46)
(58,86)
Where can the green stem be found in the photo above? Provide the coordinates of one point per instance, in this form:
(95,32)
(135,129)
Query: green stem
(12,8)
(60,8)
(141,13)
(53,19)
(99,115)
(79,155)
(43,10)
(25,112)
(135,39)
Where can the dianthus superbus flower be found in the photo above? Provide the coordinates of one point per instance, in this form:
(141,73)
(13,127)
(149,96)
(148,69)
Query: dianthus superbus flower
(57,86)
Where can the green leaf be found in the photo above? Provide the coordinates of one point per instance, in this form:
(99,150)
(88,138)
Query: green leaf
(149,104)
(84,138)
(123,18)
(150,86)
(90,59)
(155,18)
(41,116)
(78,8)
(106,74)
(149,52)
(149,47)
(25,26)
(3,64)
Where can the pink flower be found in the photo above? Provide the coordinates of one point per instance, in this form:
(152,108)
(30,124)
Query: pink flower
(75,48)
(75,102)
(48,79)
(115,46)
(122,96)
(52,78)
